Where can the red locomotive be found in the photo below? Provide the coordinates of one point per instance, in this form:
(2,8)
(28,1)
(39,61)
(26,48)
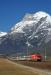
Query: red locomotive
(36,57)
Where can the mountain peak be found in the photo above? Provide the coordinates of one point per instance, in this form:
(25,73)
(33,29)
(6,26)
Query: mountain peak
(37,15)
(31,19)
(40,14)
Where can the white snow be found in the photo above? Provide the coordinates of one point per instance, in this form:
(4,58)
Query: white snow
(42,33)
(40,14)
(19,27)
(28,43)
(36,36)
(2,34)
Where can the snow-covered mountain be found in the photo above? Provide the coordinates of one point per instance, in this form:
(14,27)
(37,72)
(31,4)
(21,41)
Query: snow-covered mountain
(34,23)
(31,20)
(2,34)
(33,31)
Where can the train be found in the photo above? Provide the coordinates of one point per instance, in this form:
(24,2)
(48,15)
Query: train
(33,57)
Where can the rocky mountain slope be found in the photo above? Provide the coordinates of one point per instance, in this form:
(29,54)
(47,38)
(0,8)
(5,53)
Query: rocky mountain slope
(33,32)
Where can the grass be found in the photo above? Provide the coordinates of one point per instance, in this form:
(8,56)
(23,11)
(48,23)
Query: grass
(8,68)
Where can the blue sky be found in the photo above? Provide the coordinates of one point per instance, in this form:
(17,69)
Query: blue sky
(12,11)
